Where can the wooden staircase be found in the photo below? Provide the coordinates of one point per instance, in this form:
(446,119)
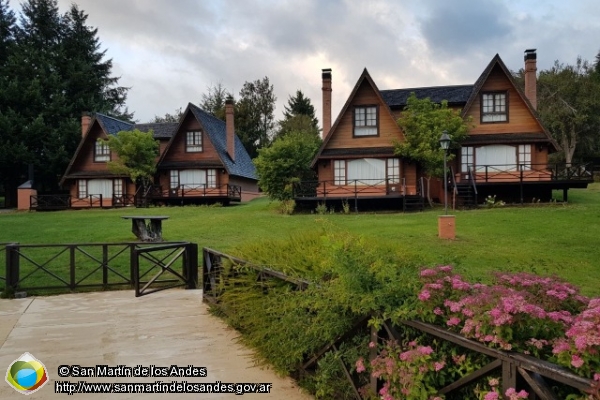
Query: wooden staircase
(466,196)
(413,203)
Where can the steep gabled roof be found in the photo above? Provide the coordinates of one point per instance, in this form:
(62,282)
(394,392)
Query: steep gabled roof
(365,76)
(483,78)
(112,126)
(216,133)
(457,95)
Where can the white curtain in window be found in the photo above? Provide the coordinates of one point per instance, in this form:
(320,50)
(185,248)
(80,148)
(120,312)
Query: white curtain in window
(101,186)
(497,157)
(192,178)
(368,171)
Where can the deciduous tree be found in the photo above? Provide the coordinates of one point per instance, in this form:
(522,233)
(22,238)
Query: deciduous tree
(254,118)
(213,101)
(568,104)
(285,162)
(137,152)
(423,122)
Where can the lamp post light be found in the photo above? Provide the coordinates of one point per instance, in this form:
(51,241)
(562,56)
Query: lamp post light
(445,145)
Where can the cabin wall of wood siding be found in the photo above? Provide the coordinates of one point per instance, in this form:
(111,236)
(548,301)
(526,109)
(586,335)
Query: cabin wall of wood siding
(520,119)
(388,130)
(176,151)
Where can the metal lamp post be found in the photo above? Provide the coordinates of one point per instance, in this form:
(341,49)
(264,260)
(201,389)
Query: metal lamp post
(445,145)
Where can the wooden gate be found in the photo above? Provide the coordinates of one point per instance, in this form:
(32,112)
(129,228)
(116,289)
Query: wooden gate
(154,268)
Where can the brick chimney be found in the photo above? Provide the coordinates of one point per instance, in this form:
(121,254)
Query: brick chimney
(86,120)
(326,101)
(230,128)
(530,76)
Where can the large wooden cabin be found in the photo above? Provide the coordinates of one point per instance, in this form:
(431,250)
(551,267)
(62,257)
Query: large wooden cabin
(505,154)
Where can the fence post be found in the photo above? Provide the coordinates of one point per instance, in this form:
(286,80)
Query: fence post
(135,270)
(509,376)
(132,260)
(190,265)
(105,265)
(72,266)
(12,265)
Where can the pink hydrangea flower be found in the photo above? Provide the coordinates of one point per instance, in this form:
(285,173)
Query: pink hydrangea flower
(491,396)
(576,361)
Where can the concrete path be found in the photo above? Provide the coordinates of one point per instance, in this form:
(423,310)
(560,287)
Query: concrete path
(171,327)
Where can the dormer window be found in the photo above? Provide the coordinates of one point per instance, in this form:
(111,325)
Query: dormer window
(494,107)
(101,151)
(193,142)
(365,121)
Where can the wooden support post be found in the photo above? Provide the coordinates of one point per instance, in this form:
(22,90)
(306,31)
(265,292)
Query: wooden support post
(190,263)
(72,282)
(12,266)
(509,376)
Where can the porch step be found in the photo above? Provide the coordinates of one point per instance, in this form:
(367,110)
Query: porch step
(466,196)
(413,203)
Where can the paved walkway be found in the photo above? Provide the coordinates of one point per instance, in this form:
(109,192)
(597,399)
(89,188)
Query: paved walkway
(115,328)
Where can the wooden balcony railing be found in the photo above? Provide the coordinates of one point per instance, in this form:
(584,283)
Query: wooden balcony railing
(528,173)
(233,192)
(350,188)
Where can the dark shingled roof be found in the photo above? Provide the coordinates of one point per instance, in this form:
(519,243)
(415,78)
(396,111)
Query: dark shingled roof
(215,129)
(162,130)
(455,95)
(112,126)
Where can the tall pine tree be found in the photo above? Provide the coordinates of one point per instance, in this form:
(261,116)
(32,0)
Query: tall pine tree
(57,71)
(300,105)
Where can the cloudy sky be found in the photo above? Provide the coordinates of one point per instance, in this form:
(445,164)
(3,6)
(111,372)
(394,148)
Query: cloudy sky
(170,51)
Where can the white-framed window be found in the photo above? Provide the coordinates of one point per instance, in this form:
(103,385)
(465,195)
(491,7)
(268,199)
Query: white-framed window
(365,121)
(81,189)
(466,160)
(193,179)
(211,178)
(525,157)
(174,179)
(118,187)
(101,151)
(100,187)
(193,141)
(496,158)
(339,172)
(393,170)
(366,171)
(494,107)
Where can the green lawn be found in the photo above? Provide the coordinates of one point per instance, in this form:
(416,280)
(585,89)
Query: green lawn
(547,239)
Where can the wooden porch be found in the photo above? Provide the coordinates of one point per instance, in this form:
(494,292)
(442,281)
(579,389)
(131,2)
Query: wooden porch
(518,183)
(369,193)
(194,194)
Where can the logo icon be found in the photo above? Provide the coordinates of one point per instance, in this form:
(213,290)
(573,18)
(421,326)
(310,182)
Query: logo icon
(26,374)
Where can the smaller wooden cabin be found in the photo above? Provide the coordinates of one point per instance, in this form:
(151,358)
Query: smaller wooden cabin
(88,179)
(201,160)
(205,161)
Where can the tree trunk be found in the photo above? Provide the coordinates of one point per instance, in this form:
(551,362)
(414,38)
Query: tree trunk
(429,199)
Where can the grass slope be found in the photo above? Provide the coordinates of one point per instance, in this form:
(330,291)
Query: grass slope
(546,239)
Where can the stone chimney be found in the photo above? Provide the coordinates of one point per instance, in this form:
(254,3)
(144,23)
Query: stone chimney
(86,120)
(326,101)
(230,128)
(530,76)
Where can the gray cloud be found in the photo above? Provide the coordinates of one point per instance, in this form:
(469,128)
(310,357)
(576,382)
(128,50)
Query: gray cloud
(169,52)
